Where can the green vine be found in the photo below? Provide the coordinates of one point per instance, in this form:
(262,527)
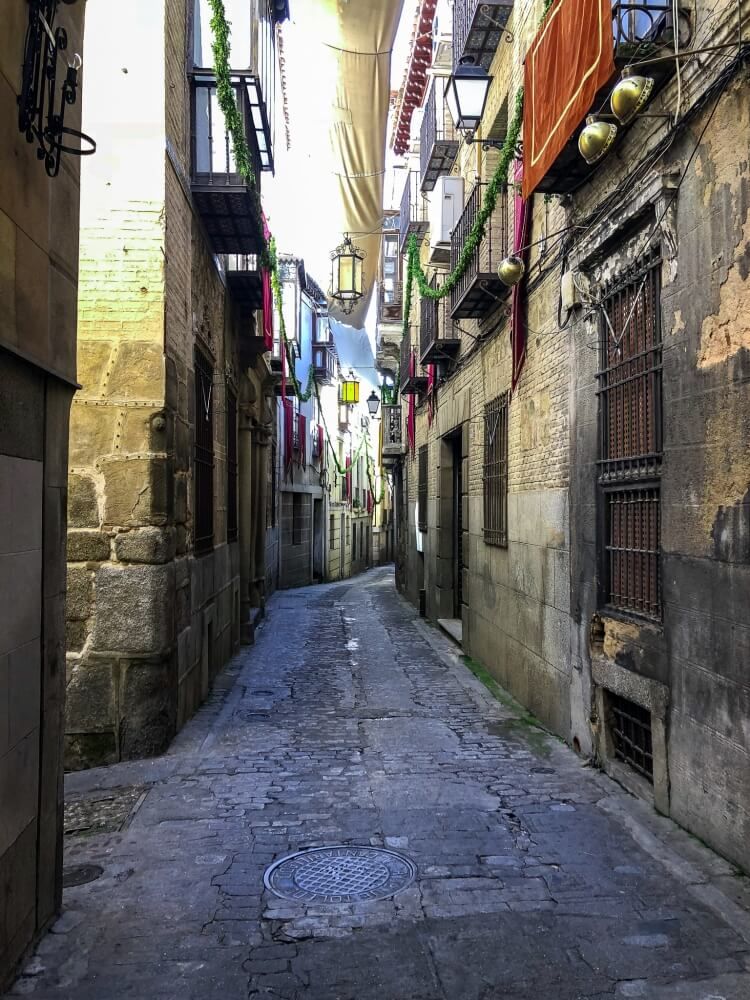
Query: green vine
(499,181)
(221,45)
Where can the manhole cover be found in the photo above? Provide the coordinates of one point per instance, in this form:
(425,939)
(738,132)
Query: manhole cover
(80,875)
(340,874)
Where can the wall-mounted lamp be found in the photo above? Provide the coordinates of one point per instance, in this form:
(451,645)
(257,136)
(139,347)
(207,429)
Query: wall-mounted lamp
(37,117)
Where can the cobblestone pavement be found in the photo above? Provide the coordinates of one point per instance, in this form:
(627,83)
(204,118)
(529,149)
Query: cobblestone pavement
(352,722)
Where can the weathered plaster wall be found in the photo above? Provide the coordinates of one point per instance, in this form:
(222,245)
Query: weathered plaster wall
(694,661)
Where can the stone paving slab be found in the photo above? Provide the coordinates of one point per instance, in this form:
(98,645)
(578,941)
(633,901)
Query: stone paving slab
(352,722)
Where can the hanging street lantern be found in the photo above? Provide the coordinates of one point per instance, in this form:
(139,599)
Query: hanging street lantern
(373,403)
(349,390)
(347,280)
(511,270)
(630,95)
(596,139)
(466,94)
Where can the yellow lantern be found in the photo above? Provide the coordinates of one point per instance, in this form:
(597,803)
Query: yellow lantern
(347,277)
(349,392)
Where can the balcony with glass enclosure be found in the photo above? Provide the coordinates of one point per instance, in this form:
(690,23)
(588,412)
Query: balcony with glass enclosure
(227,202)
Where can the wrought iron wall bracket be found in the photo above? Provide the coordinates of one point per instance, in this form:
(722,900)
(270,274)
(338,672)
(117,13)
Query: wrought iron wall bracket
(41,108)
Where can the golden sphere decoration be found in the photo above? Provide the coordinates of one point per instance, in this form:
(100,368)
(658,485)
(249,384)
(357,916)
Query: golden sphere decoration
(595,139)
(631,94)
(511,270)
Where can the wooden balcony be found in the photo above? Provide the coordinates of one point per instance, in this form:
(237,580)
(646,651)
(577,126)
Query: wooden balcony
(394,446)
(478,28)
(408,383)
(227,204)
(323,362)
(643,28)
(439,340)
(479,289)
(413,214)
(438,141)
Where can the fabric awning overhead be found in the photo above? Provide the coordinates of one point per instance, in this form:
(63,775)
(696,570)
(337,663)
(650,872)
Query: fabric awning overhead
(341,113)
(571,57)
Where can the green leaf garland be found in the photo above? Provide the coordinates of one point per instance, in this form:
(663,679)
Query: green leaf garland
(499,181)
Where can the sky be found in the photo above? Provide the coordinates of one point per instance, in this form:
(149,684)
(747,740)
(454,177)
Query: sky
(302,201)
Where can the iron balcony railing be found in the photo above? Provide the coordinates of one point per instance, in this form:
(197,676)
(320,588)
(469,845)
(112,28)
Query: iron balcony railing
(439,340)
(478,27)
(645,26)
(438,141)
(413,215)
(479,286)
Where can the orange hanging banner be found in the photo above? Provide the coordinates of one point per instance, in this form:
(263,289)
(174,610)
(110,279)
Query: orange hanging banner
(570,59)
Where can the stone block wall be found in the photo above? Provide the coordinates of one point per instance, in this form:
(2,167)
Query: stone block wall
(150,623)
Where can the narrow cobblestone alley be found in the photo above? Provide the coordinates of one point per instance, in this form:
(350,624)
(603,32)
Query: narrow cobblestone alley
(352,723)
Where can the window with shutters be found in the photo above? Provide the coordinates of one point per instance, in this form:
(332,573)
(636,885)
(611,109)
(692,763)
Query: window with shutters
(422,487)
(495,471)
(630,394)
(203,455)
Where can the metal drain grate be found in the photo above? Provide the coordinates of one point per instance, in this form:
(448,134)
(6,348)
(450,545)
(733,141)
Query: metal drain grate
(340,874)
(80,875)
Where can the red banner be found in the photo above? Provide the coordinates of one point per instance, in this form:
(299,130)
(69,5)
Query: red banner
(288,433)
(302,434)
(570,59)
(411,416)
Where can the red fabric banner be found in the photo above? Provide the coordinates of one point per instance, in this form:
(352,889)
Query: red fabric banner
(288,433)
(522,217)
(267,297)
(302,433)
(369,502)
(321,445)
(570,59)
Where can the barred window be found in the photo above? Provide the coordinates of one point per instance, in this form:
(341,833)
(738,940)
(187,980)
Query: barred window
(203,455)
(495,471)
(231,466)
(630,394)
(422,488)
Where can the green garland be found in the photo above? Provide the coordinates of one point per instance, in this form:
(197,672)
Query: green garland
(220,47)
(499,181)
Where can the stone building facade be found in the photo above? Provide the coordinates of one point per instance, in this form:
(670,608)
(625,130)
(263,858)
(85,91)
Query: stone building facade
(38,288)
(578,512)
(171,430)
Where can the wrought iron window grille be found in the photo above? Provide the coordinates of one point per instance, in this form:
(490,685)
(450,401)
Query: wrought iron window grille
(495,471)
(630,728)
(630,448)
(41,109)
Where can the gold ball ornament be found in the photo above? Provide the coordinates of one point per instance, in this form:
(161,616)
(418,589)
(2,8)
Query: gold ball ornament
(630,95)
(511,270)
(595,139)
